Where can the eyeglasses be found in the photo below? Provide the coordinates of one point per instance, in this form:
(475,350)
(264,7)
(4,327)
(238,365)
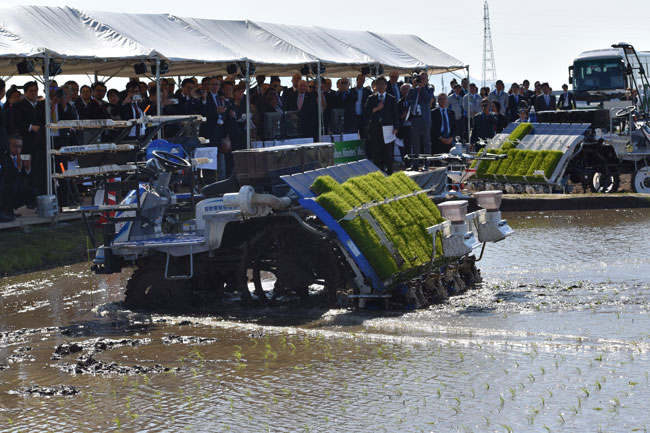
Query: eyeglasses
(345,82)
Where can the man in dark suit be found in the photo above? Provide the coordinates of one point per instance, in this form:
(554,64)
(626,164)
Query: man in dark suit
(515,97)
(393,87)
(14,172)
(420,100)
(404,130)
(381,109)
(346,100)
(28,121)
(363,93)
(290,92)
(186,103)
(545,101)
(443,122)
(214,112)
(97,106)
(528,93)
(566,101)
(306,103)
(82,104)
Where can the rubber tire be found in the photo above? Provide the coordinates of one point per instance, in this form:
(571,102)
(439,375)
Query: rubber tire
(641,181)
(595,184)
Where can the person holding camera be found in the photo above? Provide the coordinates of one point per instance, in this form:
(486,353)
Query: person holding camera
(420,101)
(15,170)
(131,108)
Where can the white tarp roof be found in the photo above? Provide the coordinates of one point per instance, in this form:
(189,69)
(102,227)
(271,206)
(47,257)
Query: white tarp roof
(110,43)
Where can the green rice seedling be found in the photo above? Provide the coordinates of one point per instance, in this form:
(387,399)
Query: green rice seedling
(515,166)
(324,184)
(550,162)
(537,163)
(522,130)
(507,427)
(494,165)
(528,161)
(502,168)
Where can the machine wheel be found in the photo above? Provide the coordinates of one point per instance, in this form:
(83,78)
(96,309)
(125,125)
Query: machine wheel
(296,260)
(603,182)
(263,256)
(641,181)
(148,289)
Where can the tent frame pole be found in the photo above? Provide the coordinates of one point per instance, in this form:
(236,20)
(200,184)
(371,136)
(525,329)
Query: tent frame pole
(48,120)
(248,105)
(158,94)
(320,102)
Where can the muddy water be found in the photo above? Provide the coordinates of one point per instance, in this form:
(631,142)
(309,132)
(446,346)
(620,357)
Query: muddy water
(557,339)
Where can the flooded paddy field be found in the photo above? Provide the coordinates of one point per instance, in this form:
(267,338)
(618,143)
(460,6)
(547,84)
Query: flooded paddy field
(556,339)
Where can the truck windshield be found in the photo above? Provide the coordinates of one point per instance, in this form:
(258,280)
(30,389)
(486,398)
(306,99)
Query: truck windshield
(599,74)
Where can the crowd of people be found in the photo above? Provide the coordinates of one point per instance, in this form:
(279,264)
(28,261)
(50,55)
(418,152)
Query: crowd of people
(390,108)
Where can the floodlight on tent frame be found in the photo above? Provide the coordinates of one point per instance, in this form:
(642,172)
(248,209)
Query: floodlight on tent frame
(25,66)
(164,68)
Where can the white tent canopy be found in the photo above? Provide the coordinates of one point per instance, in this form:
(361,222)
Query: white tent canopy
(109,43)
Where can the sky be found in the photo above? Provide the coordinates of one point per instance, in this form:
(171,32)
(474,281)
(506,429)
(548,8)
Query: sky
(533,40)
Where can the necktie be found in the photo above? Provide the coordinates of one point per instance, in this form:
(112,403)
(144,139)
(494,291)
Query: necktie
(300,98)
(15,161)
(546,99)
(381,98)
(445,123)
